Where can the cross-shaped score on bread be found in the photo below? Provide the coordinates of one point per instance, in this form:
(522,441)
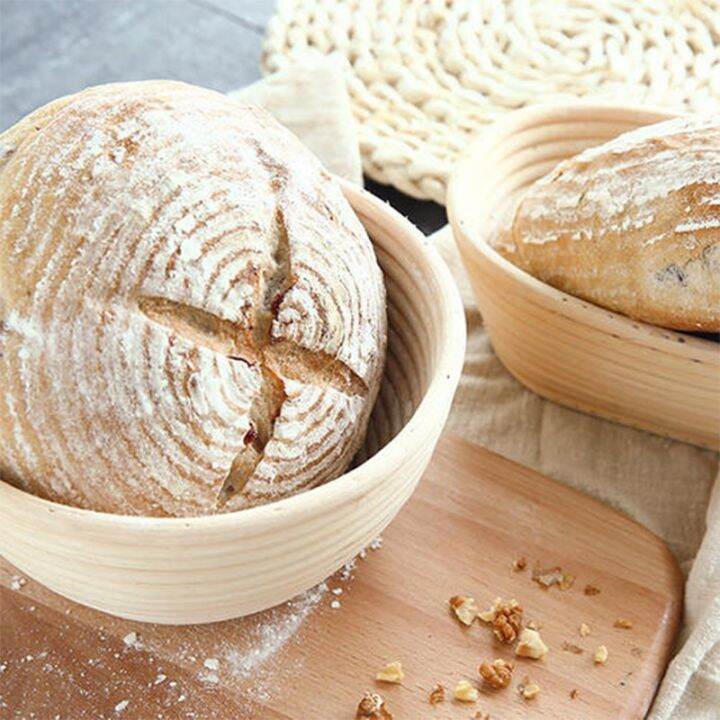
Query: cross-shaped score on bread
(198,317)
(276,359)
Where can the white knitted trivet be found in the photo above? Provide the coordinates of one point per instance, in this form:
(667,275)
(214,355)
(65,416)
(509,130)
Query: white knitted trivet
(426,75)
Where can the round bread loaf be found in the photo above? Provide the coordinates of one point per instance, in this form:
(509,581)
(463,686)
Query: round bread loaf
(192,318)
(632,225)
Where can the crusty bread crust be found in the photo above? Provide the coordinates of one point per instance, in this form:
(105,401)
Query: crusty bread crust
(632,225)
(192,319)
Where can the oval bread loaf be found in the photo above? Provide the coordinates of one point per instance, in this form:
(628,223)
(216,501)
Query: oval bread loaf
(632,225)
(192,318)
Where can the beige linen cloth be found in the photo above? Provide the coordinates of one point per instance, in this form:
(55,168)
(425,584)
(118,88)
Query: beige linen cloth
(666,485)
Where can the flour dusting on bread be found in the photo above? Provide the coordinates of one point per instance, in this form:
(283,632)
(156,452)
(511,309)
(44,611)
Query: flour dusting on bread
(633,225)
(163,252)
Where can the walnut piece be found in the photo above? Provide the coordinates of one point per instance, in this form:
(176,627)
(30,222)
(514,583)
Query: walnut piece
(591,590)
(574,693)
(437,694)
(568,579)
(507,622)
(547,577)
(391,673)
(520,564)
(466,692)
(464,608)
(623,624)
(569,647)
(372,706)
(531,645)
(584,630)
(601,655)
(497,674)
(528,688)
(506,619)
(534,625)
(489,615)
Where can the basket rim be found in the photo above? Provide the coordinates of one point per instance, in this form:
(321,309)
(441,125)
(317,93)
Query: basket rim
(462,219)
(352,485)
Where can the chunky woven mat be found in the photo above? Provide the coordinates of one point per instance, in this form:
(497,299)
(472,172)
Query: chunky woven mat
(425,75)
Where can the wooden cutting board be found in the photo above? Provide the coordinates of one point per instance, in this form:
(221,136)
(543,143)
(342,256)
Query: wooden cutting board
(472,516)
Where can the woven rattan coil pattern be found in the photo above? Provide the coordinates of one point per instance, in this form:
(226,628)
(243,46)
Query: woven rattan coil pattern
(426,75)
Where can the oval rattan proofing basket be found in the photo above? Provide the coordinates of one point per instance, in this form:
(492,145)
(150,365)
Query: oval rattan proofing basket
(193,570)
(560,346)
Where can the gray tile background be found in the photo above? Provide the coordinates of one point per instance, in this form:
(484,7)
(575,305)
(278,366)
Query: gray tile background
(50,48)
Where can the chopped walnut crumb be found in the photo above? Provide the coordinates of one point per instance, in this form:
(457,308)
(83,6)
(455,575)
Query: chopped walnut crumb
(531,645)
(520,564)
(506,619)
(528,688)
(584,630)
(489,615)
(391,673)
(574,693)
(466,692)
(372,706)
(480,715)
(568,579)
(591,590)
(601,655)
(547,577)
(534,625)
(464,608)
(437,694)
(569,647)
(623,624)
(497,674)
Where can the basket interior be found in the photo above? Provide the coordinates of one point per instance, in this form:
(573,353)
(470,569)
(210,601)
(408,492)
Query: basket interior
(414,338)
(508,161)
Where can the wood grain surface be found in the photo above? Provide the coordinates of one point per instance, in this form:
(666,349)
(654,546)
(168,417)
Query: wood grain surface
(472,516)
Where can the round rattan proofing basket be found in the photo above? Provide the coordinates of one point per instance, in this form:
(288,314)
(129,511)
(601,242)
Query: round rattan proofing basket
(560,346)
(193,570)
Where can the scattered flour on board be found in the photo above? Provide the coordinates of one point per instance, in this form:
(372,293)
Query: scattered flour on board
(17,582)
(269,637)
(257,659)
(251,659)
